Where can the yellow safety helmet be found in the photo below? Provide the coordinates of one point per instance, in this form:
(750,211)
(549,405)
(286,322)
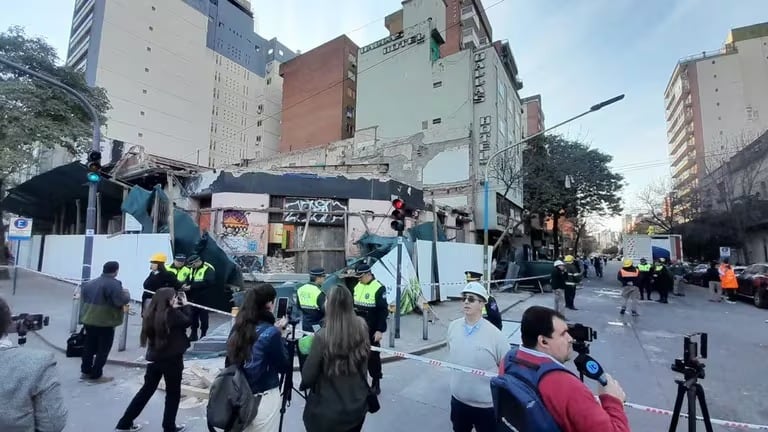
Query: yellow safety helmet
(628,262)
(569,258)
(158,258)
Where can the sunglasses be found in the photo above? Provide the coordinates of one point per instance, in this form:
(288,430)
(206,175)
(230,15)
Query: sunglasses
(470,298)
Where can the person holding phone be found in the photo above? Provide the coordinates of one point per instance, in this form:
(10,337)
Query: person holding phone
(164,331)
(257,344)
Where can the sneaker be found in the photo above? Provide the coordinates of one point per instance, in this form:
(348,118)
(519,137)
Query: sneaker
(85,376)
(634,313)
(102,379)
(623,311)
(134,427)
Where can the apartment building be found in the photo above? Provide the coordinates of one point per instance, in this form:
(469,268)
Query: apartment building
(533,115)
(188,80)
(465,104)
(319,95)
(713,103)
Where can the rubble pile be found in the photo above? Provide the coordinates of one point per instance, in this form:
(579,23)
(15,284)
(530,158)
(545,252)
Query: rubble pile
(279,265)
(195,384)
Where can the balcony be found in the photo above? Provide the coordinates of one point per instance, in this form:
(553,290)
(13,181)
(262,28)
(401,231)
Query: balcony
(469,18)
(469,38)
(684,165)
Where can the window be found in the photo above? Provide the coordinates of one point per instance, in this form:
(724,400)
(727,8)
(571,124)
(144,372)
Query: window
(154,8)
(141,112)
(149,49)
(146,69)
(258,138)
(151,28)
(437,120)
(269,81)
(141,135)
(280,52)
(434,50)
(258,123)
(437,84)
(424,124)
(351,93)
(351,75)
(144,91)
(270,51)
(350,112)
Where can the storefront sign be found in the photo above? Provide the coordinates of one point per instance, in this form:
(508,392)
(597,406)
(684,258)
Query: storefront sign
(484,138)
(398,38)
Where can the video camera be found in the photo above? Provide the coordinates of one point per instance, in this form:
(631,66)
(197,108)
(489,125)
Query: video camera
(690,365)
(23,323)
(581,334)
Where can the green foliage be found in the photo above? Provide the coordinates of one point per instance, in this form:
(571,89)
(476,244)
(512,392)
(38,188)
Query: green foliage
(594,189)
(34,113)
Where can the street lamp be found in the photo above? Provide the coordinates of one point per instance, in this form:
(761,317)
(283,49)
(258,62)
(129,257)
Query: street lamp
(90,215)
(593,108)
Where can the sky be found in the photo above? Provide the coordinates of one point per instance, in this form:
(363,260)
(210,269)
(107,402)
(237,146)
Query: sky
(574,53)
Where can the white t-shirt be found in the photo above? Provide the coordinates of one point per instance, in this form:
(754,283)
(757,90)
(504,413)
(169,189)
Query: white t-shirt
(481,346)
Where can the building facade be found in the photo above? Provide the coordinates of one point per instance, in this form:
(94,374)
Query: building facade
(319,95)
(533,115)
(463,106)
(713,103)
(187,80)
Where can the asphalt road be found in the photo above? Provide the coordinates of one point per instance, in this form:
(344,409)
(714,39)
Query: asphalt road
(636,351)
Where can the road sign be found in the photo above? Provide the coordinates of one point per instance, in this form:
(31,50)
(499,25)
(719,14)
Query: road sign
(725,252)
(20,229)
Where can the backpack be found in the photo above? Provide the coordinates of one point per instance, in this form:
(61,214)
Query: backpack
(232,405)
(517,402)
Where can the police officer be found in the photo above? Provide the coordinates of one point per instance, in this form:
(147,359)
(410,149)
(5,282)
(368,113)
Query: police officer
(201,288)
(179,268)
(572,279)
(371,304)
(311,300)
(645,278)
(491,310)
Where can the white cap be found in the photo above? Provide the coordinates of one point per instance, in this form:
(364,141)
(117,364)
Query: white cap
(559,263)
(477,289)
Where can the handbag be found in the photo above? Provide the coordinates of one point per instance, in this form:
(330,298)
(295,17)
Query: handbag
(372,399)
(76,343)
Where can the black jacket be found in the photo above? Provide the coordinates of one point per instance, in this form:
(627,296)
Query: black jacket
(557,279)
(492,313)
(712,275)
(176,342)
(662,278)
(162,279)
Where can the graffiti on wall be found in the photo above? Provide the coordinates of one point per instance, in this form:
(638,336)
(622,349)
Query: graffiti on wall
(298,208)
(243,240)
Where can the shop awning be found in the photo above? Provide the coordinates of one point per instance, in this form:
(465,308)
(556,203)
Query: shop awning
(40,196)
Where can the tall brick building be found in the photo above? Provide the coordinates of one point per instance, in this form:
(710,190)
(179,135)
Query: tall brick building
(319,95)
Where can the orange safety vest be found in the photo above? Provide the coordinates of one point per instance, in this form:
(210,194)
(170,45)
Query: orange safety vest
(728,279)
(627,273)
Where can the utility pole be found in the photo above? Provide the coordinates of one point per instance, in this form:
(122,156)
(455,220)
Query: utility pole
(90,214)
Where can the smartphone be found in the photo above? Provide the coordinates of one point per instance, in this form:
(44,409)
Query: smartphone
(282,307)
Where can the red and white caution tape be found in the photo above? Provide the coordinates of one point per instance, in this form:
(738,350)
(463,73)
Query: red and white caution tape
(480,372)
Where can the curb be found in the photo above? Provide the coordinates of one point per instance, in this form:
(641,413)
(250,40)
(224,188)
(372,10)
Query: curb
(388,359)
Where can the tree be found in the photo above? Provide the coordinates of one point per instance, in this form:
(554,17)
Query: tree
(507,169)
(35,115)
(663,205)
(594,188)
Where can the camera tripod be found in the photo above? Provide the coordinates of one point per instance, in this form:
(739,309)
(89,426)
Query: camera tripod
(286,381)
(689,387)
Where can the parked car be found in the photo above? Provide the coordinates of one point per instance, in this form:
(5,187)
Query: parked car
(696,276)
(739,269)
(753,283)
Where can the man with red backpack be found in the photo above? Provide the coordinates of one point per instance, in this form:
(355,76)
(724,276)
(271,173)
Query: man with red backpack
(535,392)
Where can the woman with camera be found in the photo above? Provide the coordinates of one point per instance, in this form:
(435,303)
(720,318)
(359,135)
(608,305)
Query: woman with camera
(336,369)
(257,344)
(164,330)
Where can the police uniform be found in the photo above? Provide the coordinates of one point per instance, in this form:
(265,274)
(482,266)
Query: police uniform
(371,304)
(645,279)
(202,285)
(572,279)
(182,273)
(311,301)
(491,310)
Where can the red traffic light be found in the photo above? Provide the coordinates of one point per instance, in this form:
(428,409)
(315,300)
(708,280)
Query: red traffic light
(398,204)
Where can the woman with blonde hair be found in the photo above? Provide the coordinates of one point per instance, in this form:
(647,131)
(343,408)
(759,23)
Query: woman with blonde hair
(335,370)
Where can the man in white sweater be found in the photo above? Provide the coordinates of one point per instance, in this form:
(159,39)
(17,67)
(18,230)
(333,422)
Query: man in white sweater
(476,343)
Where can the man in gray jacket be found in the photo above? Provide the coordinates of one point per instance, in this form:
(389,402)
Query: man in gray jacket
(101,310)
(29,387)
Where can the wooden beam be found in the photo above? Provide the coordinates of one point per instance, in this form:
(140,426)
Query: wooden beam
(155,212)
(170,208)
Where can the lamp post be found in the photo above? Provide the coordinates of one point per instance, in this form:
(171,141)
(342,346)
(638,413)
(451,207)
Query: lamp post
(90,215)
(593,108)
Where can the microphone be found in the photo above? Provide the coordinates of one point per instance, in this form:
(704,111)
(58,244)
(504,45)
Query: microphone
(590,368)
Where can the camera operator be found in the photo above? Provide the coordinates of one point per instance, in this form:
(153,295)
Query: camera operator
(568,401)
(29,386)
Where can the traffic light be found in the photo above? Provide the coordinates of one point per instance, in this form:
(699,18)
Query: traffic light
(398,216)
(94,166)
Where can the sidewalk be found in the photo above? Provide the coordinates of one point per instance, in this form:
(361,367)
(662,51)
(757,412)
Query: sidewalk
(40,294)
